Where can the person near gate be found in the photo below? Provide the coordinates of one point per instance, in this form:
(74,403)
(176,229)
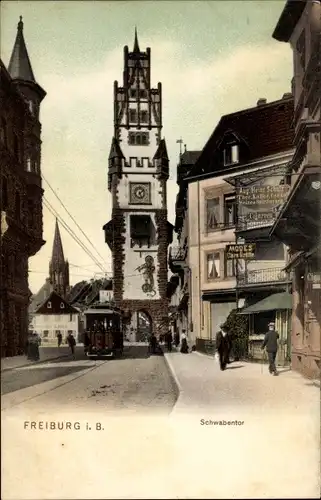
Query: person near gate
(223,347)
(59,339)
(271,344)
(71,342)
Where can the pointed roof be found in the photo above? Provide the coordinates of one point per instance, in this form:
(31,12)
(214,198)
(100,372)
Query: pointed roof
(115,150)
(161,152)
(19,65)
(55,304)
(136,45)
(57,250)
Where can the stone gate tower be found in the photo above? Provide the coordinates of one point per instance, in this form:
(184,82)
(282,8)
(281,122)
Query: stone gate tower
(139,233)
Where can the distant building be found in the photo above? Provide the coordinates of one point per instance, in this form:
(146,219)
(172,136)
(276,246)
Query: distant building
(55,315)
(247,148)
(59,267)
(21,192)
(298,224)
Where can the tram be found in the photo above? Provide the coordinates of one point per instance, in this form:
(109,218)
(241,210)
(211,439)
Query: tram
(104,334)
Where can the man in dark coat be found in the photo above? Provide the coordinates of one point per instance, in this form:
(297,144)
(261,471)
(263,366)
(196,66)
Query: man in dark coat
(271,344)
(72,343)
(169,341)
(153,343)
(223,347)
(59,338)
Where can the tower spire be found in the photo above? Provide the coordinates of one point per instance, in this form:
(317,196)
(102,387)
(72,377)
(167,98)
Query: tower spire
(136,45)
(19,65)
(57,257)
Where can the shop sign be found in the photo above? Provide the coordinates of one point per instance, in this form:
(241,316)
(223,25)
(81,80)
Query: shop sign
(263,195)
(244,251)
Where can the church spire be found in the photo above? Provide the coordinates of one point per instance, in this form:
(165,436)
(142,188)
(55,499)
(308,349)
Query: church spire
(19,65)
(136,45)
(57,257)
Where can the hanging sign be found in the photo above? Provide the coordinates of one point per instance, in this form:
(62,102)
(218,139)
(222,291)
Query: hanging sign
(245,251)
(263,195)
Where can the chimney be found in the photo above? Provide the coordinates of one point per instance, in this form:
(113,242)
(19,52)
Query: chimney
(287,95)
(261,101)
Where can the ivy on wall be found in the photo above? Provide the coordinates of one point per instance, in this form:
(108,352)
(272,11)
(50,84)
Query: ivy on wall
(237,326)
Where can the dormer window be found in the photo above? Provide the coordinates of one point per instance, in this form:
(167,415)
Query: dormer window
(62,305)
(231,154)
(49,306)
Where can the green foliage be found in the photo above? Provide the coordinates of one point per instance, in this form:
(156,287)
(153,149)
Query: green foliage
(237,326)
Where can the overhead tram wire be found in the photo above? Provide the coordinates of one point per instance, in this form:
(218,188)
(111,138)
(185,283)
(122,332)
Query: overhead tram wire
(72,218)
(72,234)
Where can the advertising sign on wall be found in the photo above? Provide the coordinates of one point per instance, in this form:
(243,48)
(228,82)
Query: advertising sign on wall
(263,195)
(244,251)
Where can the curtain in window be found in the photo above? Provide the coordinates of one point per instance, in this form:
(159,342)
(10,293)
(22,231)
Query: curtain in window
(213,213)
(213,265)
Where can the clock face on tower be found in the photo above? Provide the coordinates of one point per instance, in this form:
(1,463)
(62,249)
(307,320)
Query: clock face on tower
(139,193)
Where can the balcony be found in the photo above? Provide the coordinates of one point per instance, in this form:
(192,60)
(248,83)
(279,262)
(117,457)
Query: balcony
(254,277)
(177,258)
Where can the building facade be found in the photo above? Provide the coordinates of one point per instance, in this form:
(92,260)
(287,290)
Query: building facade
(21,192)
(298,223)
(179,284)
(249,143)
(139,233)
(55,315)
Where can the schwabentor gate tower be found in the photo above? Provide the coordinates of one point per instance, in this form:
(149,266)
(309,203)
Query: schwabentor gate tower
(139,233)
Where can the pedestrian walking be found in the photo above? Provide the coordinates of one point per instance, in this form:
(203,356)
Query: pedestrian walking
(271,344)
(223,347)
(153,343)
(33,343)
(169,341)
(71,342)
(176,339)
(59,339)
(184,344)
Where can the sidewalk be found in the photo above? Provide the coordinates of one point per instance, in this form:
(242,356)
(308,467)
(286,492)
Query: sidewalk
(46,354)
(263,431)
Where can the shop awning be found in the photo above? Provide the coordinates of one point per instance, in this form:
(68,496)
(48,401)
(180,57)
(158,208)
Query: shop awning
(275,302)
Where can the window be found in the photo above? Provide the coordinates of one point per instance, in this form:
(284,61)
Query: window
(143,94)
(28,165)
(133,115)
(133,162)
(229,210)
(138,138)
(31,106)
(145,162)
(142,231)
(49,306)
(4,193)
(62,305)
(231,154)
(45,333)
(133,93)
(230,267)
(213,265)
(213,213)
(144,116)
(70,317)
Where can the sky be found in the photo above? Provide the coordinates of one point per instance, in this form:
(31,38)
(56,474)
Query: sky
(212,57)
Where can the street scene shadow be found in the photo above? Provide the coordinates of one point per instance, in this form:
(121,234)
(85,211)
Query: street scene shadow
(21,379)
(234,367)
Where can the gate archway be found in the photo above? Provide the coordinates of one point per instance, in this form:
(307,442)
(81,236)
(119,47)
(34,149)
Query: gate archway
(144,326)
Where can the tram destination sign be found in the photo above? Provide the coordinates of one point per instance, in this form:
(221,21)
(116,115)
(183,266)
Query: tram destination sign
(244,251)
(263,195)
